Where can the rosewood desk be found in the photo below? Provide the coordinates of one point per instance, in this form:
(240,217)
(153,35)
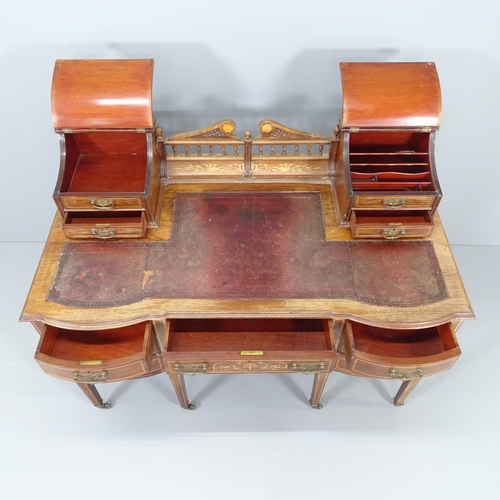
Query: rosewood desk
(246,278)
(205,252)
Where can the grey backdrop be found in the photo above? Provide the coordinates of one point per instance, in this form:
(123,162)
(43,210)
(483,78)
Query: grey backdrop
(252,438)
(248,61)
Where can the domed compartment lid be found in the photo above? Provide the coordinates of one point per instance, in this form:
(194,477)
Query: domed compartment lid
(390,95)
(102,94)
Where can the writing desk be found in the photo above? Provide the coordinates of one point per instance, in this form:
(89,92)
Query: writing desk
(206,252)
(383,320)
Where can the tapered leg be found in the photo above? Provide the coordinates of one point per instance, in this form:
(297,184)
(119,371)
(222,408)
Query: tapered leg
(180,389)
(95,398)
(318,386)
(404,391)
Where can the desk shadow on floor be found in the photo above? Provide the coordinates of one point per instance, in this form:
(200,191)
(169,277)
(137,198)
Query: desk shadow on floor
(382,390)
(215,382)
(118,391)
(292,384)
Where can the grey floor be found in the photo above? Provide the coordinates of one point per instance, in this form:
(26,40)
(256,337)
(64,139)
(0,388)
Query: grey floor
(252,436)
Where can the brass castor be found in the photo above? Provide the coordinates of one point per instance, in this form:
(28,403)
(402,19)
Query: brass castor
(319,406)
(191,407)
(105,406)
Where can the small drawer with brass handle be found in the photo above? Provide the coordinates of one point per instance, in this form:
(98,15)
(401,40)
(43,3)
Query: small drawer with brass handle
(406,202)
(72,202)
(105,226)
(391,225)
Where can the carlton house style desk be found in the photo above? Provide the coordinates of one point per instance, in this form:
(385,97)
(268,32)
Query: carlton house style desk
(206,252)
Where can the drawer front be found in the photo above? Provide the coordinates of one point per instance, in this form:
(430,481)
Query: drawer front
(391,232)
(388,227)
(95,374)
(248,366)
(101,203)
(394,202)
(136,228)
(398,371)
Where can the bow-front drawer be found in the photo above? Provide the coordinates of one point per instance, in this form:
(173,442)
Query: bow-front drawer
(98,355)
(399,354)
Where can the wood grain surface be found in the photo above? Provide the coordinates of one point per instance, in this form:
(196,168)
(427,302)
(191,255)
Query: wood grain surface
(455,307)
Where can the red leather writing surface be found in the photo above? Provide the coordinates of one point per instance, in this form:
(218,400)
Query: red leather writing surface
(248,245)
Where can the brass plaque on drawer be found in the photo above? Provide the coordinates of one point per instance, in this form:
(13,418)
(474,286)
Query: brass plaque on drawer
(252,353)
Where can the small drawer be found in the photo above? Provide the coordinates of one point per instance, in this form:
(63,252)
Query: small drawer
(98,355)
(101,203)
(105,226)
(391,225)
(395,202)
(399,354)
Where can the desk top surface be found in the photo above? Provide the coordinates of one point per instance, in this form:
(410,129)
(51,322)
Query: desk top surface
(241,250)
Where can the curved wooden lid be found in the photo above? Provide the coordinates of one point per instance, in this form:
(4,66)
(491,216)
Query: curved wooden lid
(390,95)
(102,94)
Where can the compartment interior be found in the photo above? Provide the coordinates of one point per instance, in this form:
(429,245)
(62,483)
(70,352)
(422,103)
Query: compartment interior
(396,343)
(390,161)
(394,218)
(79,345)
(103,219)
(212,335)
(107,162)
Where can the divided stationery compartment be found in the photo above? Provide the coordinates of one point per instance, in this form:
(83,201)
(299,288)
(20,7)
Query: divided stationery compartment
(98,355)
(392,183)
(399,354)
(390,115)
(390,161)
(247,345)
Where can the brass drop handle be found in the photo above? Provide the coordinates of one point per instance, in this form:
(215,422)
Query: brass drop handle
(308,368)
(103,233)
(191,368)
(393,202)
(391,233)
(102,204)
(406,374)
(89,377)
